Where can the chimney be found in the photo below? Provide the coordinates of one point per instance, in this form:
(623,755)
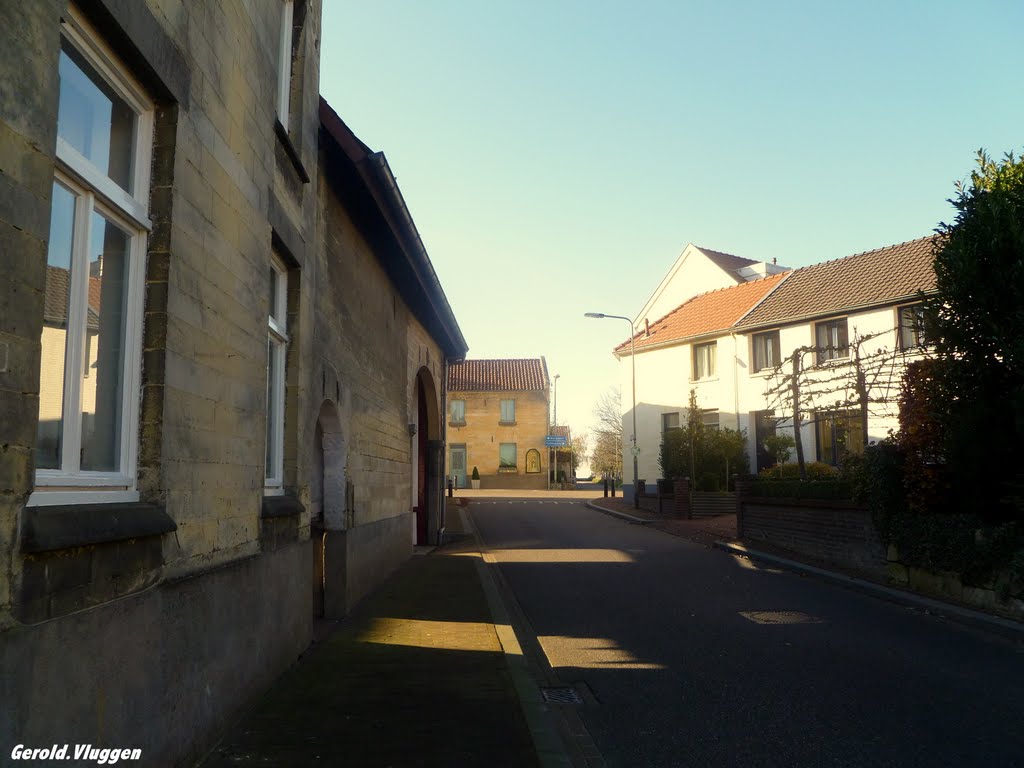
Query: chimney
(647,327)
(774,261)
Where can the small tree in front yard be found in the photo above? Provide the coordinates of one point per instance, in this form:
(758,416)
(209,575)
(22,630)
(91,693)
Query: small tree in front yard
(708,456)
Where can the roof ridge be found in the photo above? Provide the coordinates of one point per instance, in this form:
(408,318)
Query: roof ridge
(865,253)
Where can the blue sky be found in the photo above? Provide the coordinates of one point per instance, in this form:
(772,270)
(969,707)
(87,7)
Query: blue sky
(557,156)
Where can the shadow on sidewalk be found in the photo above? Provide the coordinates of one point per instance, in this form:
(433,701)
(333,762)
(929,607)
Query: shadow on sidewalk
(414,676)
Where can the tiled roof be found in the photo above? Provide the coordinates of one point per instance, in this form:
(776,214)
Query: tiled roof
(706,313)
(864,279)
(727,261)
(55,299)
(505,375)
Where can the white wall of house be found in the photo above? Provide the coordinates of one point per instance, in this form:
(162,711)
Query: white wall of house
(701,275)
(664,378)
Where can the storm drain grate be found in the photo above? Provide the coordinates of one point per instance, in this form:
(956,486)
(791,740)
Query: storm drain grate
(780,617)
(561,696)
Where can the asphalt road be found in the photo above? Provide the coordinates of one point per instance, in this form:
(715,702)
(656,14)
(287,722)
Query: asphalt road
(689,656)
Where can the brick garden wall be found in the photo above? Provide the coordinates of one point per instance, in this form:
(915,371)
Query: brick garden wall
(831,531)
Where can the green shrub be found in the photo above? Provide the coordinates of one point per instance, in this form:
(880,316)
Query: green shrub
(476,473)
(779,447)
(830,490)
(816,470)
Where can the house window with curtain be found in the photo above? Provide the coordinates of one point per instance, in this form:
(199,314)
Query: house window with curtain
(508,412)
(458,412)
(277,343)
(765,347)
(709,417)
(507,457)
(831,340)
(839,434)
(911,330)
(704,360)
(95,277)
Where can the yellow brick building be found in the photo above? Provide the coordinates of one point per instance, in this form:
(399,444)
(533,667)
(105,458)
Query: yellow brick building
(497,421)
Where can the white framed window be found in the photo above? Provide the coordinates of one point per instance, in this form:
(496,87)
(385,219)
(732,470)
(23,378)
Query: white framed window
(508,412)
(704,360)
(277,345)
(765,347)
(284,61)
(832,340)
(87,435)
(709,417)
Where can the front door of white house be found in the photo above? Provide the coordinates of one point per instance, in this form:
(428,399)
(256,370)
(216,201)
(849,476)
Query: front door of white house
(458,467)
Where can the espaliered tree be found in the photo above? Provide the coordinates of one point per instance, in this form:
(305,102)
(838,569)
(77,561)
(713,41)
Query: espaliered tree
(867,380)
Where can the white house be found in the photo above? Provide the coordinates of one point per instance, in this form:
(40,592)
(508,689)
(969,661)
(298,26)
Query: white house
(734,347)
(697,271)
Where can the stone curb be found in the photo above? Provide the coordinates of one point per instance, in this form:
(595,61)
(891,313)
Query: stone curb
(547,742)
(620,515)
(1005,627)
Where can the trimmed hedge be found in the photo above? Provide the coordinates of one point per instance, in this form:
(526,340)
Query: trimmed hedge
(828,490)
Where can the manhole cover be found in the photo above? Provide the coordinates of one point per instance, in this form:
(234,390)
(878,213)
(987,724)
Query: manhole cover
(561,695)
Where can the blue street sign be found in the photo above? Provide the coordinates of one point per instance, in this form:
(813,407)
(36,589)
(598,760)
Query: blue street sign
(555,441)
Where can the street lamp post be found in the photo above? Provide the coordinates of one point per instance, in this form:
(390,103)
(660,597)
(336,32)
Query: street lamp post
(553,477)
(632,360)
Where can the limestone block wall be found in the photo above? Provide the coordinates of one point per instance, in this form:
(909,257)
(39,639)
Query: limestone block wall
(366,349)
(229,188)
(483,433)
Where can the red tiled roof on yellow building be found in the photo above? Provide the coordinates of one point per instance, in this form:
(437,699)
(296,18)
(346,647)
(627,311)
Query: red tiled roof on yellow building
(503,375)
(704,314)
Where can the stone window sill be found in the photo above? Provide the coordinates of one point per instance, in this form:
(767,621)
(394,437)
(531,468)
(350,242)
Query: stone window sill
(506,423)
(281,506)
(52,528)
(290,150)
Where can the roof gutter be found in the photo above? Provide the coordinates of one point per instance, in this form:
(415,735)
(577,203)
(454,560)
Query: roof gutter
(836,312)
(424,269)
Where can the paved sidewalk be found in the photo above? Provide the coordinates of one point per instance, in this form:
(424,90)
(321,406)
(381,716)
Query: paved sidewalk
(415,676)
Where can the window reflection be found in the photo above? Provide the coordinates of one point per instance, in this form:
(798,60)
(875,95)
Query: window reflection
(102,389)
(93,119)
(56,305)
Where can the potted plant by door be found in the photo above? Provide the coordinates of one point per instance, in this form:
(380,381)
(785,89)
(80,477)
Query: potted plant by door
(475,479)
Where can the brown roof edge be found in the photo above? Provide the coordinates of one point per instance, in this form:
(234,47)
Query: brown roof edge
(383,188)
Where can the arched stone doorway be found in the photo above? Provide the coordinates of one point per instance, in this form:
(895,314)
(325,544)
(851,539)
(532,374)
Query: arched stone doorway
(427,460)
(327,493)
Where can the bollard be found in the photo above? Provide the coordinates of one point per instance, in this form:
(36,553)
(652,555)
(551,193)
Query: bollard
(451,486)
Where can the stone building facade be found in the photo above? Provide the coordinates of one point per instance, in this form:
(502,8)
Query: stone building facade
(497,420)
(221,356)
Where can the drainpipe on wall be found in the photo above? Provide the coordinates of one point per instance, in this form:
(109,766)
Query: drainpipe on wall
(736,394)
(443,507)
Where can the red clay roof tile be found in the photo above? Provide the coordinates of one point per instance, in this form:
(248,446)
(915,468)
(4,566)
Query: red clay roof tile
(709,312)
(503,375)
